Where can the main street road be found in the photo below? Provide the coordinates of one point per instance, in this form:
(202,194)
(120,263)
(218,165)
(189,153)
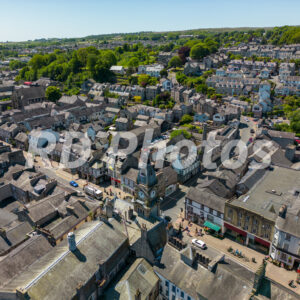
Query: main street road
(173,204)
(245,128)
(51,173)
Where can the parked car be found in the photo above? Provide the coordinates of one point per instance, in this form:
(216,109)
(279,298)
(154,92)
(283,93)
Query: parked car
(199,243)
(73,183)
(252,130)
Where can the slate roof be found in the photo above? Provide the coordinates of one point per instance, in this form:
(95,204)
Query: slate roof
(230,281)
(214,186)
(15,235)
(20,258)
(268,195)
(31,93)
(132,174)
(140,276)
(21,137)
(57,274)
(208,199)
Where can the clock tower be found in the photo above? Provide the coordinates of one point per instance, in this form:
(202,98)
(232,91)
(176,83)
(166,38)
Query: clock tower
(146,191)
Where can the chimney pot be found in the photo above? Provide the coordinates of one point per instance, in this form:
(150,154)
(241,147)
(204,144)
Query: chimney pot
(71,241)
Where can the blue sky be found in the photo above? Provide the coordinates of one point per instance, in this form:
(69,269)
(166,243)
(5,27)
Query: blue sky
(23,20)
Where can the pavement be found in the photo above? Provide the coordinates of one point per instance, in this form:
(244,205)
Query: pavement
(173,206)
(65,177)
(273,272)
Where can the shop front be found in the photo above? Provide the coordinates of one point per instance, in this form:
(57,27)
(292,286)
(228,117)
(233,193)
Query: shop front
(235,233)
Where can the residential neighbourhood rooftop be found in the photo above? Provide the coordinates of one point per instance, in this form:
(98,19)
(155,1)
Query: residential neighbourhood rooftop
(151,165)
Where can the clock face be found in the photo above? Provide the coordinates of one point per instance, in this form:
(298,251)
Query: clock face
(153,193)
(141,195)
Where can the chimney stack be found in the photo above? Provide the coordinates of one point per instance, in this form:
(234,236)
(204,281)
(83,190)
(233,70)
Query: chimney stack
(3,233)
(71,241)
(282,211)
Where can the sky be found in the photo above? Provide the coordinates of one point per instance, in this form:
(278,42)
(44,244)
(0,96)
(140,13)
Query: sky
(22,20)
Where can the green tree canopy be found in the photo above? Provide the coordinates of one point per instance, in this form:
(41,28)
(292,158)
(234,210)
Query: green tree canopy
(295,121)
(175,62)
(178,132)
(199,51)
(53,93)
(186,119)
(133,62)
(16,64)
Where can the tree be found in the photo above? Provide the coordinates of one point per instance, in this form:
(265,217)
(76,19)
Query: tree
(37,61)
(295,121)
(91,63)
(186,119)
(53,93)
(75,63)
(181,78)
(109,59)
(178,132)
(133,80)
(183,53)
(133,62)
(199,51)
(143,80)
(16,64)
(175,62)
(163,73)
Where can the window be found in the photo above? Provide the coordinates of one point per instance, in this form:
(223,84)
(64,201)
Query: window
(283,256)
(182,294)
(210,218)
(286,247)
(211,211)
(287,237)
(167,283)
(173,289)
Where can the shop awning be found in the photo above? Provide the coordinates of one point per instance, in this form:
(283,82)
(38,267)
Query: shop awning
(212,226)
(235,229)
(262,242)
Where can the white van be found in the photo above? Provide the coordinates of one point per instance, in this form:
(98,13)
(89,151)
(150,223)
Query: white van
(94,192)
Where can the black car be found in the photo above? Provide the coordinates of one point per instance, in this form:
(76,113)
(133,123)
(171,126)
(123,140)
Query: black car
(252,130)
